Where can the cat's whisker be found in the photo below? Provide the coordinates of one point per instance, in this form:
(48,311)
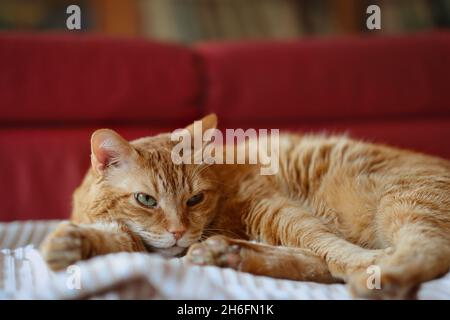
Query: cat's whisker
(214,231)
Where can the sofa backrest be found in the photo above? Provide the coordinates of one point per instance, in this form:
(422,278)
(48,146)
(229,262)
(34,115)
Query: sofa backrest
(77,80)
(393,90)
(55,90)
(329,79)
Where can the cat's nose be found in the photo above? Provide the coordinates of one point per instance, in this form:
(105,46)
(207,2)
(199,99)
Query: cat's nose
(177,233)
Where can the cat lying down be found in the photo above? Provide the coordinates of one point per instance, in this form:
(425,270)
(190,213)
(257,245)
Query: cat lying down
(335,210)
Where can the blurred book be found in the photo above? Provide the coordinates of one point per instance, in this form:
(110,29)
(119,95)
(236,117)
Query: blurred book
(191,21)
(197,20)
(41,15)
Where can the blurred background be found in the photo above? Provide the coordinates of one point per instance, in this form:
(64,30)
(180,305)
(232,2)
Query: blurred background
(143,67)
(189,21)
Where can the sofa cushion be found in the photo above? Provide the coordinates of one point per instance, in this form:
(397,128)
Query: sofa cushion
(370,77)
(78,78)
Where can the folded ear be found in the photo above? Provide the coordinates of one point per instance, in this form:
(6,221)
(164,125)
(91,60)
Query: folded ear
(208,122)
(108,149)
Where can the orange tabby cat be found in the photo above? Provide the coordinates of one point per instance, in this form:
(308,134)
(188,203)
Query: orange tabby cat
(335,207)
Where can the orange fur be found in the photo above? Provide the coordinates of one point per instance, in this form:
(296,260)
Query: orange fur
(335,207)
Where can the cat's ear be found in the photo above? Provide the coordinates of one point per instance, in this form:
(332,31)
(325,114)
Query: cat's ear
(196,132)
(208,122)
(108,148)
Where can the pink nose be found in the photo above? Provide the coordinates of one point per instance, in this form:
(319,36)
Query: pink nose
(178,233)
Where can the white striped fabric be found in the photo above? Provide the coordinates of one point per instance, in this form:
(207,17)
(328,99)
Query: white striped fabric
(24,275)
(19,234)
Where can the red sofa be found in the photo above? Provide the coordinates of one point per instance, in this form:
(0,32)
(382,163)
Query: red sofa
(56,89)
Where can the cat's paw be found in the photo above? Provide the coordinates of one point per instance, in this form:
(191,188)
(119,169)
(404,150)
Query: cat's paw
(391,287)
(217,251)
(64,247)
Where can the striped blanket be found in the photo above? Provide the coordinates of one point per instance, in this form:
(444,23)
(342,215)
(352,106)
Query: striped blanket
(24,275)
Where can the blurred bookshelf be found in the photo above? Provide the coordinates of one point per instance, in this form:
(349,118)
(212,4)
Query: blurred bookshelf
(190,21)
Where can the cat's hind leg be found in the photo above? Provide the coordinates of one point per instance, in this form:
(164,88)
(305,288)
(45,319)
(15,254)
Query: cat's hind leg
(416,246)
(421,253)
(261,259)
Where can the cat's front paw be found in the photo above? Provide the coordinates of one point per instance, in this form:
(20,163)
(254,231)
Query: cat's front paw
(217,251)
(64,247)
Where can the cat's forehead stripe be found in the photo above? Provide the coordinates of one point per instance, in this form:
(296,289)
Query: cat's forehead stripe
(165,176)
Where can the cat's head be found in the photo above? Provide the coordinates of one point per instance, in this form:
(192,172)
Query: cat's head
(167,205)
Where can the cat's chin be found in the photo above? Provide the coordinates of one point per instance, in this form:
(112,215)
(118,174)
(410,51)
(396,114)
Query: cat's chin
(174,251)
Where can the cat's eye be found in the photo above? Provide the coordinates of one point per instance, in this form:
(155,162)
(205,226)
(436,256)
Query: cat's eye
(195,200)
(145,200)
